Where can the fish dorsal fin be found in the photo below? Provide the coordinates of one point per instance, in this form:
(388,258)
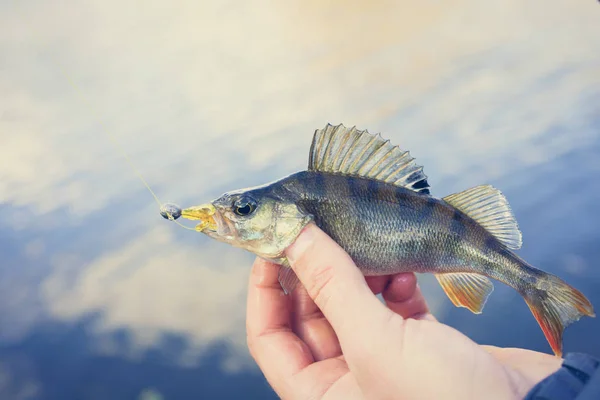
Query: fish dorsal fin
(490,209)
(349,151)
(466,290)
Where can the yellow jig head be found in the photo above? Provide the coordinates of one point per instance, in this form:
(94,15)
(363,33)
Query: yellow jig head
(203,213)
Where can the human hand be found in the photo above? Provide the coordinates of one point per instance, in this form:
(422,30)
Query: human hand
(333,339)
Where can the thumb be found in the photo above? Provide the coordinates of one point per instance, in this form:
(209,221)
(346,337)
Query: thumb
(336,286)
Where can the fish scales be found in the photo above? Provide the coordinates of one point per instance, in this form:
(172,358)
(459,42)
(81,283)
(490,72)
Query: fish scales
(388,229)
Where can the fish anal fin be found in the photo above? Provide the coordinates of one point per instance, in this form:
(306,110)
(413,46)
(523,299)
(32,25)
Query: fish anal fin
(466,289)
(349,151)
(490,209)
(287,279)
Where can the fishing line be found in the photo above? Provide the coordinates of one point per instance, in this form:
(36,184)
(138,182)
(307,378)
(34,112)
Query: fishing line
(118,146)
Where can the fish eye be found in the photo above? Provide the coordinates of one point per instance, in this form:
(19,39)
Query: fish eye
(244,206)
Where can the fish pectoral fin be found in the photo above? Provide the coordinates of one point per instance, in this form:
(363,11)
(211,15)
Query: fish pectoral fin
(349,151)
(466,289)
(490,209)
(287,279)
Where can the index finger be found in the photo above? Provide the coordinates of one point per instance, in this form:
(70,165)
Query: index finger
(276,349)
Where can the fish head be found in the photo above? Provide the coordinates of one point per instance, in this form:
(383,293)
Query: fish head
(256,220)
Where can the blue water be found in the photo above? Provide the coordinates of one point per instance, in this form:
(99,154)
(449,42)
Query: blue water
(102,298)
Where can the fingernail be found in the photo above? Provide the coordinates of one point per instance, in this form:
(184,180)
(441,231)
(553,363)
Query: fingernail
(302,242)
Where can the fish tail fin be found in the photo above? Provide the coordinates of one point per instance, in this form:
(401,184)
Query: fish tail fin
(555,305)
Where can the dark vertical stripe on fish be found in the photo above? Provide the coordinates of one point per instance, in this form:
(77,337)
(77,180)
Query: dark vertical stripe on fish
(300,181)
(428,209)
(320,185)
(353,187)
(490,245)
(400,196)
(457,226)
(373,188)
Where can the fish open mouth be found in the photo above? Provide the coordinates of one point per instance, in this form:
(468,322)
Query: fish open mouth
(204,213)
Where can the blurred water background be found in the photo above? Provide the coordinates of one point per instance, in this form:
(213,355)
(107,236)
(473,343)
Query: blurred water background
(101,298)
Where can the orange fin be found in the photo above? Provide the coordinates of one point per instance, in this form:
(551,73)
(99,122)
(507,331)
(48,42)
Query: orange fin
(466,289)
(555,305)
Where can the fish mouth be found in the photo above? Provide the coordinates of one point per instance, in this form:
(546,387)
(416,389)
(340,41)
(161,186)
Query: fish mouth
(204,213)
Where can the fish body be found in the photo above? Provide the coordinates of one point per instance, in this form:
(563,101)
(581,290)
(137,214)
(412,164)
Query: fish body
(374,201)
(388,229)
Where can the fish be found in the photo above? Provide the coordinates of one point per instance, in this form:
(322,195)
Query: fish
(374,200)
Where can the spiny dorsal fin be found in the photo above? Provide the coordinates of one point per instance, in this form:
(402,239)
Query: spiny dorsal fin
(466,290)
(488,206)
(348,151)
